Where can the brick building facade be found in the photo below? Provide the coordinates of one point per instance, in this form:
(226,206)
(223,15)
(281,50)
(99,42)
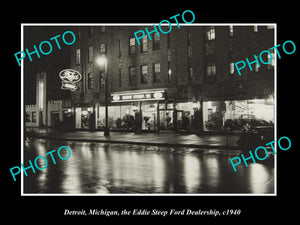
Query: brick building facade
(184,80)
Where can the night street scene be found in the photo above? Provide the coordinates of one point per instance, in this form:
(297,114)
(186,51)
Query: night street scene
(162,117)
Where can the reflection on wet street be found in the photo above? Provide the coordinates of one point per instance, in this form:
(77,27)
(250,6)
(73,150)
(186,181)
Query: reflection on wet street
(103,168)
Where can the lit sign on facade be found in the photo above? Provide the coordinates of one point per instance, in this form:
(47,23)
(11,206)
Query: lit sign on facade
(69,79)
(140,96)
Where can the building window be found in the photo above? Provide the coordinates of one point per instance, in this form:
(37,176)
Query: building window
(169,72)
(156,39)
(27,118)
(189,37)
(102,29)
(33,116)
(211,34)
(102,79)
(90,81)
(231,68)
(211,70)
(255,28)
(144,72)
(132,46)
(230,47)
(90,32)
(256,67)
(231,30)
(210,48)
(102,48)
(132,75)
(156,73)
(144,44)
(79,33)
(77,56)
(190,54)
(191,73)
(272,64)
(91,54)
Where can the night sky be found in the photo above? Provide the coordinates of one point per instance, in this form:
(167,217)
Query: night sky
(53,63)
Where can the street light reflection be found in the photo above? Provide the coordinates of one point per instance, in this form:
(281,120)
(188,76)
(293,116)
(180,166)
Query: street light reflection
(260,179)
(212,165)
(192,173)
(71,182)
(158,176)
(42,178)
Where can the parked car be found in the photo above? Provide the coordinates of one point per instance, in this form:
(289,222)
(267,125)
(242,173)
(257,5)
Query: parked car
(257,136)
(233,124)
(245,123)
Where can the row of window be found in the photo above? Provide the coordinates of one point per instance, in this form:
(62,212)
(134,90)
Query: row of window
(144,74)
(132,48)
(211,68)
(211,33)
(211,71)
(91,31)
(144,69)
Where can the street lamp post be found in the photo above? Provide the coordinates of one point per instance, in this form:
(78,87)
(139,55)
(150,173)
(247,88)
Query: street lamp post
(102,61)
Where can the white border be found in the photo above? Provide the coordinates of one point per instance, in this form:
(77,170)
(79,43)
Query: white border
(148,24)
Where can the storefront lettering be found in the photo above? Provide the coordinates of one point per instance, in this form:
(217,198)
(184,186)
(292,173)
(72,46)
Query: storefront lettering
(157,95)
(138,96)
(126,97)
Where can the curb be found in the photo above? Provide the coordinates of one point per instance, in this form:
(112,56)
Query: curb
(139,143)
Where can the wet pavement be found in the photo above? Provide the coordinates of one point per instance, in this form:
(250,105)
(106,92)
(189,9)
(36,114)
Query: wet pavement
(103,168)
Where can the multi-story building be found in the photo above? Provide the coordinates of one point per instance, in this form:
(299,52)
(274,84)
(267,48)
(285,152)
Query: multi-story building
(182,80)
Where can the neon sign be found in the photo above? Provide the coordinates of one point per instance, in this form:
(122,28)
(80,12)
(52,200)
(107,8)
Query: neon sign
(69,79)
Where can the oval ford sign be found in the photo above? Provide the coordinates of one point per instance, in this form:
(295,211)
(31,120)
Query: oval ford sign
(69,77)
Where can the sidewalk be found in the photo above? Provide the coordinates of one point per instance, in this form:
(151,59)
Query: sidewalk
(220,141)
(159,139)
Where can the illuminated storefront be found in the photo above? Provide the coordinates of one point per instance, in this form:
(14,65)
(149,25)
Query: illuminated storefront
(150,110)
(158,110)
(235,114)
(83,117)
(132,110)
(147,110)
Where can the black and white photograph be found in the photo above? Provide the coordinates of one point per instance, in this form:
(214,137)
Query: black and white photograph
(184,114)
(163,114)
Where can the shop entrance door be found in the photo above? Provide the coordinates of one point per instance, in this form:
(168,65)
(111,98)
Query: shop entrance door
(179,114)
(55,119)
(149,120)
(166,120)
(149,116)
